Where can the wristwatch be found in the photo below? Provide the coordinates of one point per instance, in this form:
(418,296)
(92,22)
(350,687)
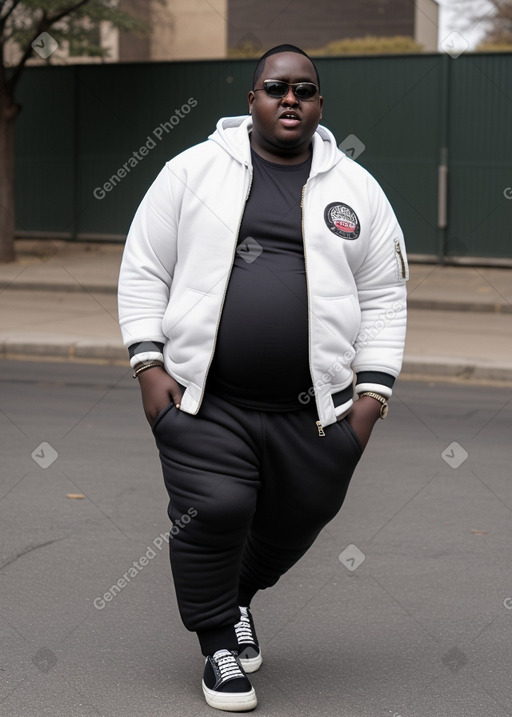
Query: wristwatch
(383,402)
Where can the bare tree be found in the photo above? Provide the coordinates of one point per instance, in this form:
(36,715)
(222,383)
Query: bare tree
(30,26)
(499,23)
(493,17)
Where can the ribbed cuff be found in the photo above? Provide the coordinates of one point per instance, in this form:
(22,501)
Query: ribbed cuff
(377,381)
(147,356)
(145,351)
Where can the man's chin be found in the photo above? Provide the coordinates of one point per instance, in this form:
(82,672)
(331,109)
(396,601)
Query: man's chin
(289,142)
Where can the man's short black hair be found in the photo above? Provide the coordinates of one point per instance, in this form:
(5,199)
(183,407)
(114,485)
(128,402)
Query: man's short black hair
(274,51)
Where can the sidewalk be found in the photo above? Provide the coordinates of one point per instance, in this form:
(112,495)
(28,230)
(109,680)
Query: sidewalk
(58,301)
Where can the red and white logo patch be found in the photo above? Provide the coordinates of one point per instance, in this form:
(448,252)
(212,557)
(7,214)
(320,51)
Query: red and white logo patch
(342,220)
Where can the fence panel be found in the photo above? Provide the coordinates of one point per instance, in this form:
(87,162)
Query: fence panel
(45,166)
(91,138)
(480,157)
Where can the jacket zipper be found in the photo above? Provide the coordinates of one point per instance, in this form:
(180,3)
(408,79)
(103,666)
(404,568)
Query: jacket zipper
(319,426)
(401,260)
(225,292)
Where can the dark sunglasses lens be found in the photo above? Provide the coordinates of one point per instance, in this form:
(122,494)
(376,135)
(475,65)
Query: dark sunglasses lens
(305,91)
(276,89)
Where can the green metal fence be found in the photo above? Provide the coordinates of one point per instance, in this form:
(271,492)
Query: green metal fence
(435,131)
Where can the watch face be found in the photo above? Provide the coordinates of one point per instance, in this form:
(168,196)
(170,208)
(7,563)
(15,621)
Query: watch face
(384,410)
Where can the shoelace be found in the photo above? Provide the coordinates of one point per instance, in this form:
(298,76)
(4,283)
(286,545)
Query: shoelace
(243,628)
(227,664)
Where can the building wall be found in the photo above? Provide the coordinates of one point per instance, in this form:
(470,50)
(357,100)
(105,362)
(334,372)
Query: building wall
(426,26)
(205,29)
(311,25)
(181,30)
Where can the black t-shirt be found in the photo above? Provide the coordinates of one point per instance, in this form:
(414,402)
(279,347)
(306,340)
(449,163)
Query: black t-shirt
(261,355)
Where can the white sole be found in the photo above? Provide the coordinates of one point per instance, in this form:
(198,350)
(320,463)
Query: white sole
(230,701)
(251,664)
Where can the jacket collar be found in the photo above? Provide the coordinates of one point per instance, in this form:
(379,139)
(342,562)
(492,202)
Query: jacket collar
(232,134)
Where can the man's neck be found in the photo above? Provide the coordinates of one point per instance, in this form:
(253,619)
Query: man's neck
(281,157)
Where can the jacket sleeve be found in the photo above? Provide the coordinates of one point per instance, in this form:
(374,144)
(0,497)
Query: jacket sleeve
(147,269)
(381,285)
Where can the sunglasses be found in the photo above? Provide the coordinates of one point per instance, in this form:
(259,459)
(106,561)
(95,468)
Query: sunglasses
(278,89)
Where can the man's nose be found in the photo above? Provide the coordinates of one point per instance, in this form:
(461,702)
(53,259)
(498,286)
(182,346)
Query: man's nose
(289,98)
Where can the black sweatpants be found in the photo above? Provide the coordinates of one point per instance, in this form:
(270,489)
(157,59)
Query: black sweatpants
(249,492)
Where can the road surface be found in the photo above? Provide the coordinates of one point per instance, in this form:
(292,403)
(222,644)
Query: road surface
(403,607)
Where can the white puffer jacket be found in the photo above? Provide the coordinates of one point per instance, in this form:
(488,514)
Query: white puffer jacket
(181,246)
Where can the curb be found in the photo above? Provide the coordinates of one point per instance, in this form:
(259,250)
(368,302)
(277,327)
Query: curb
(449,305)
(412,302)
(455,368)
(75,351)
(65,288)
(414,367)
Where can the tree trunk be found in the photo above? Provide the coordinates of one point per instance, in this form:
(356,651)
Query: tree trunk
(8,113)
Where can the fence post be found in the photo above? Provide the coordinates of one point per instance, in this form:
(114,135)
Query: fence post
(75,119)
(442,171)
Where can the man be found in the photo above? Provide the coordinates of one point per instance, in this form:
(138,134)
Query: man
(262,270)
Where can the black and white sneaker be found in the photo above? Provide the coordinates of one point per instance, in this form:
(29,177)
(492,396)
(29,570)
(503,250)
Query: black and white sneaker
(225,684)
(248,647)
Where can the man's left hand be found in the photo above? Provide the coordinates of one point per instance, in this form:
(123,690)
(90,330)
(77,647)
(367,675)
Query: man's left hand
(362,417)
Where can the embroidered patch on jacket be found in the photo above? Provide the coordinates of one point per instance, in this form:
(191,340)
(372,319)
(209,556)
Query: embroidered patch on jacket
(342,220)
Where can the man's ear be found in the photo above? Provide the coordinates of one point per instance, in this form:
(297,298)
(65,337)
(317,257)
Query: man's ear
(250,98)
(321,101)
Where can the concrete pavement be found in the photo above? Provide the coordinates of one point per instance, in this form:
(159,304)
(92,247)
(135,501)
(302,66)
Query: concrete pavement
(58,301)
(402,607)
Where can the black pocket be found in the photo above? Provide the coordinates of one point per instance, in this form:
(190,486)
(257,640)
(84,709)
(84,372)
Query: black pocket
(162,413)
(353,435)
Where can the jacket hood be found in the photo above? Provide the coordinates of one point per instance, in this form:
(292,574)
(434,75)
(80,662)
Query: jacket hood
(232,134)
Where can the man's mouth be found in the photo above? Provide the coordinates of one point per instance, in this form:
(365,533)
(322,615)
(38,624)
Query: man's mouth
(289,119)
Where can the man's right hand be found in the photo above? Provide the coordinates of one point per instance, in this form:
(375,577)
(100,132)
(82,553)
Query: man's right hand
(158,389)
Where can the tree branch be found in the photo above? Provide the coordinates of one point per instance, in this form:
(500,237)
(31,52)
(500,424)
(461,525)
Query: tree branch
(42,25)
(45,23)
(66,11)
(4,18)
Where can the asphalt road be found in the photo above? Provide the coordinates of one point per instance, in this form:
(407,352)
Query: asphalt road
(402,608)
